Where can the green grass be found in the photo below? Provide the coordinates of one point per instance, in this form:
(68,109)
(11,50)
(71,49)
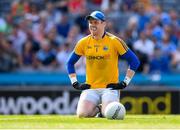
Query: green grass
(72,122)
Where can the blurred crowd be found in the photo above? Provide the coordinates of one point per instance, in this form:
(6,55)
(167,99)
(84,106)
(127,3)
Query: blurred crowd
(39,35)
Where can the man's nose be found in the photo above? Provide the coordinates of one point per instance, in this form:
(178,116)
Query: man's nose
(92,25)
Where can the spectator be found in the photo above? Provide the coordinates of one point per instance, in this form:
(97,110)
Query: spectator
(41,28)
(20,7)
(144,45)
(3,25)
(144,48)
(156,28)
(143,19)
(76,6)
(18,37)
(74,35)
(159,63)
(9,59)
(46,57)
(54,15)
(62,56)
(176,60)
(9,24)
(172,36)
(55,39)
(131,34)
(81,22)
(28,55)
(33,14)
(64,25)
(167,47)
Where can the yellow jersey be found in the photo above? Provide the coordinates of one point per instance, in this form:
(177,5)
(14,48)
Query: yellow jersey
(101,59)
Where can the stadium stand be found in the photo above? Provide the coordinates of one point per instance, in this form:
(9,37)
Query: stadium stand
(38,36)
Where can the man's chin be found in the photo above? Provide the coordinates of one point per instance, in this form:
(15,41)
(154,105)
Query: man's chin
(94,33)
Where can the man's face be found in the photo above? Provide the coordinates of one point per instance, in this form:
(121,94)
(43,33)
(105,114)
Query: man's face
(96,26)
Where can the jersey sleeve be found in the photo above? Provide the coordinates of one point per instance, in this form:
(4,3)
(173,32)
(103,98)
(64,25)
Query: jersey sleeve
(79,48)
(120,46)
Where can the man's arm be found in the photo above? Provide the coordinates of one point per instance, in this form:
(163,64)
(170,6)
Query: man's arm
(134,63)
(72,74)
(70,66)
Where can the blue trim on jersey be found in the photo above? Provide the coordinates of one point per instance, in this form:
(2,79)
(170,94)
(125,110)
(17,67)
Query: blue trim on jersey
(104,34)
(71,62)
(132,59)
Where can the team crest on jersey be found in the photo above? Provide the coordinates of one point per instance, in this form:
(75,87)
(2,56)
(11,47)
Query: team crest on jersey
(105,48)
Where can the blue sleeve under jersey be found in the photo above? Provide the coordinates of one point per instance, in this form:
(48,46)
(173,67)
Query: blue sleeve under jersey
(132,59)
(71,61)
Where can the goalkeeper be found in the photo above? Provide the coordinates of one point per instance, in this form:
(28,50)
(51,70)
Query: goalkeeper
(101,50)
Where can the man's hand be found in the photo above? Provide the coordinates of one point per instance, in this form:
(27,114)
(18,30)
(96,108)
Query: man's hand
(79,86)
(116,86)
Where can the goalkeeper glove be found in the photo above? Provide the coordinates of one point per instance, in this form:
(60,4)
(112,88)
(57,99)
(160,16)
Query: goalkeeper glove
(79,86)
(115,86)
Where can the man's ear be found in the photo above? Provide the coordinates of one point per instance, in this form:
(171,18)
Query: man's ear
(104,22)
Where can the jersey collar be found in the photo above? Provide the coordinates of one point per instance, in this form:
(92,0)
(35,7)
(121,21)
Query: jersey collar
(104,34)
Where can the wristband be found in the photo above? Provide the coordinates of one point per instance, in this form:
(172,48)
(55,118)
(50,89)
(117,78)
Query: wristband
(127,80)
(73,79)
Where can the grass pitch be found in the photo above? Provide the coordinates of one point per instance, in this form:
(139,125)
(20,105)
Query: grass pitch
(72,122)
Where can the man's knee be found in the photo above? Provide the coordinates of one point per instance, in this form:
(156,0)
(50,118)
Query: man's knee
(86,109)
(82,114)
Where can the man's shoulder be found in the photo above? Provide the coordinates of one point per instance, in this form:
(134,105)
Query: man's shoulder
(112,36)
(85,38)
(115,38)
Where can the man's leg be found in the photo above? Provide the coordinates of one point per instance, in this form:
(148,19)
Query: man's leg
(87,105)
(109,96)
(87,109)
